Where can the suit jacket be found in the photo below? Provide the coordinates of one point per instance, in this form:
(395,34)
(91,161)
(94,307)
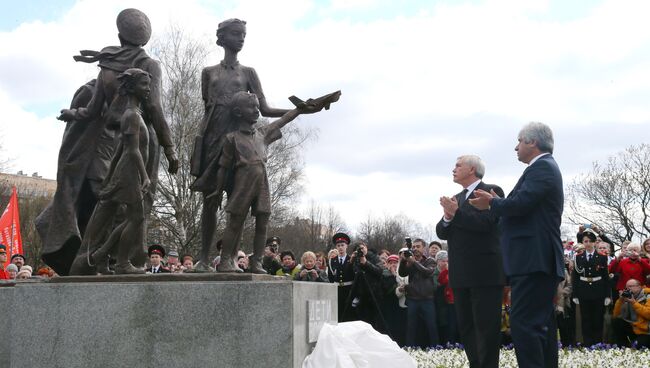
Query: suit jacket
(474,251)
(161,269)
(337,272)
(590,278)
(530,219)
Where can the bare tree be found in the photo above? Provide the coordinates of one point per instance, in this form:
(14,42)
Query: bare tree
(615,195)
(176,213)
(389,232)
(4,162)
(311,231)
(177,209)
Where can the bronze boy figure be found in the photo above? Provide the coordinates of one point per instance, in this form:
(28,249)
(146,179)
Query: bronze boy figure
(242,174)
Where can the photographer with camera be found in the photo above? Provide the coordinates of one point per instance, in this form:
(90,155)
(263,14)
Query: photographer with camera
(366,288)
(421,309)
(270,261)
(632,315)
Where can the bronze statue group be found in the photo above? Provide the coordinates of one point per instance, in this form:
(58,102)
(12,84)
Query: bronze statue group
(109,157)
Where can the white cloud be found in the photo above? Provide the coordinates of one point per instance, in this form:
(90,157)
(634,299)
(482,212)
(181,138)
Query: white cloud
(417,91)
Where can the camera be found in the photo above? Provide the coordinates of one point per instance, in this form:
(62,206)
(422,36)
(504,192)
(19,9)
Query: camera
(627,294)
(587,226)
(358,253)
(408,252)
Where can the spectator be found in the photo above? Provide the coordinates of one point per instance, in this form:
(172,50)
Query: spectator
(400,292)
(43,272)
(18,259)
(309,271)
(591,289)
(12,271)
(565,312)
(632,267)
(289,267)
(392,303)
(383,257)
(321,261)
(270,260)
(173,262)
(622,253)
(24,273)
(187,263)
(632,315)
(604,248)
(242,261)
(156,254)
(600,235)
(421,309)
(366,292)
(568,249)
(645,249)
(444,299)
(434,247)
(3,260)
(340,271)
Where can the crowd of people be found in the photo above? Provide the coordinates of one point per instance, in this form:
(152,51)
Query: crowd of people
(407,295)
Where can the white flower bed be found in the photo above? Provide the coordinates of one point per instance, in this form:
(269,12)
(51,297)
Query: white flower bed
(568,358)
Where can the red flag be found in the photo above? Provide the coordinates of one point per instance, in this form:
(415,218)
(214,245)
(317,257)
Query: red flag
(10,228)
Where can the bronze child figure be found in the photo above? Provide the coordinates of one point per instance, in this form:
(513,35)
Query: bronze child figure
(127,181)
(242,174)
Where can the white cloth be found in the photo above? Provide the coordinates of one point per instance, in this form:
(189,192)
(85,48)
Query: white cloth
(356,345)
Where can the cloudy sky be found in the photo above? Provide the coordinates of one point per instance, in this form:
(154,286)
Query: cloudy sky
(423,82)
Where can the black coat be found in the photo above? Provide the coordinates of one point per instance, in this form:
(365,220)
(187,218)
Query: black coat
(161,269)
(584,285)
(474,252)
(340,273)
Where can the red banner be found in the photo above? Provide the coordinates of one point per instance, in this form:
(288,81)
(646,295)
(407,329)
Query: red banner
(10,228)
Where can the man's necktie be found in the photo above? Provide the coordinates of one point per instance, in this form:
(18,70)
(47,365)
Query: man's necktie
(461,197)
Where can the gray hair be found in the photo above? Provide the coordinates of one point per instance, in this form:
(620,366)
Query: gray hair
(442,255)
(540,133)
(11,267)
(475,162)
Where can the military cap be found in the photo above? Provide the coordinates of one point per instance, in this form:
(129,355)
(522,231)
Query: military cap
(156,249)
(341,238)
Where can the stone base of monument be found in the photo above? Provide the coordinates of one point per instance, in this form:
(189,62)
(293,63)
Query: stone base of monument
(188,320)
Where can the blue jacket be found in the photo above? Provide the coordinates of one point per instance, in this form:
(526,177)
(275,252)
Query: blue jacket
(530,219)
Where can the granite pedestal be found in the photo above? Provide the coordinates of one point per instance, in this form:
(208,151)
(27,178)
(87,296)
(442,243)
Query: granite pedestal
(193,320)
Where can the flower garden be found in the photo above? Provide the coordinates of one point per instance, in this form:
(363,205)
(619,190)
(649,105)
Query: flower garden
(600,356)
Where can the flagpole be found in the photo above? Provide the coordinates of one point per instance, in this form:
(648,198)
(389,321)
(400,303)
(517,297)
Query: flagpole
(13,222)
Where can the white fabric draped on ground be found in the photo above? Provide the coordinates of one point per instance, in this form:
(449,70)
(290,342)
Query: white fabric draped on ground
(356,345)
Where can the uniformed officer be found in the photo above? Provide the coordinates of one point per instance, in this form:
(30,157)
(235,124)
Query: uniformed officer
(340,271)
(156,254)
(591,289)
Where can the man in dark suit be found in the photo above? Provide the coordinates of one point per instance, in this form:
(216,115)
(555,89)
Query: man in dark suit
(340,271)
(475,264)
(530,219)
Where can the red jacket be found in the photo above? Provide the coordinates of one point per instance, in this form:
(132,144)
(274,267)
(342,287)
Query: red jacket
(443,281)
(3,274)
(629,269)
